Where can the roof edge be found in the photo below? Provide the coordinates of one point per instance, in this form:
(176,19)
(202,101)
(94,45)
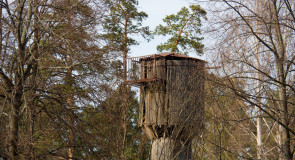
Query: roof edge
(168,54)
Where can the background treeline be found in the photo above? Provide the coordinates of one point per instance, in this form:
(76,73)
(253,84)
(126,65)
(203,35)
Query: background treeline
(61,90)
(60,79)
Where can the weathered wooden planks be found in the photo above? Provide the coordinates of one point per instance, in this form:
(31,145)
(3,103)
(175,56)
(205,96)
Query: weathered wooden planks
(175,99)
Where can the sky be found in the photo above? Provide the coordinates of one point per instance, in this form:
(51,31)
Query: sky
(156,10)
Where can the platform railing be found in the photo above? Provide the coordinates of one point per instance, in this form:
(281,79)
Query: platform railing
(137,68)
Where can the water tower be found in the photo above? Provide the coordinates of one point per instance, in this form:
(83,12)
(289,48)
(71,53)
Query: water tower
(171,101)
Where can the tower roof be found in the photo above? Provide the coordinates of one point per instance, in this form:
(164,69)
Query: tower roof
(167,56)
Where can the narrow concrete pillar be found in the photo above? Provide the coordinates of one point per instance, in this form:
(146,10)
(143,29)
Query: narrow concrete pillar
(169,149)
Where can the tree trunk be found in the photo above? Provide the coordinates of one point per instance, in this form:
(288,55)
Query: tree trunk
(259,145)
(283,131)
(14,124)
(33,82)
(70,116)
(259,135)
(283,105)
(124,87)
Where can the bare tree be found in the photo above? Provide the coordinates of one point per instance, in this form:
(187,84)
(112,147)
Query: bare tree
(17,19)
(268,25)
(35,33)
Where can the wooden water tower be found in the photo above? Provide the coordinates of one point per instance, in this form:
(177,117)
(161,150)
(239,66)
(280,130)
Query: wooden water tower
(171,101)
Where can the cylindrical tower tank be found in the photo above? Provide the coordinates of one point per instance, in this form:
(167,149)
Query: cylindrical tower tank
(171,103)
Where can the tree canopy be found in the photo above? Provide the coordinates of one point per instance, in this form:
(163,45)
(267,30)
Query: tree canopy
(183,30)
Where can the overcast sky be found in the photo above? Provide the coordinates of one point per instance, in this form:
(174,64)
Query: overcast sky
(156,10)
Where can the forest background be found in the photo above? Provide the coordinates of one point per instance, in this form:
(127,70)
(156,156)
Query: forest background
(62,69)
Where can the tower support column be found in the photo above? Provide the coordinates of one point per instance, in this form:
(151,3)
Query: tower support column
(170,149)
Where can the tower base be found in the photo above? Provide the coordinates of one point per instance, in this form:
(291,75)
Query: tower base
(170,149)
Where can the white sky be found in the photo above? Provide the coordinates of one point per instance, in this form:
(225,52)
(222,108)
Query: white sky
(156,10)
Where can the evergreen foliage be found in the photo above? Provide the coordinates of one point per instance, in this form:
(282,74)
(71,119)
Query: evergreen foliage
(183,30)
